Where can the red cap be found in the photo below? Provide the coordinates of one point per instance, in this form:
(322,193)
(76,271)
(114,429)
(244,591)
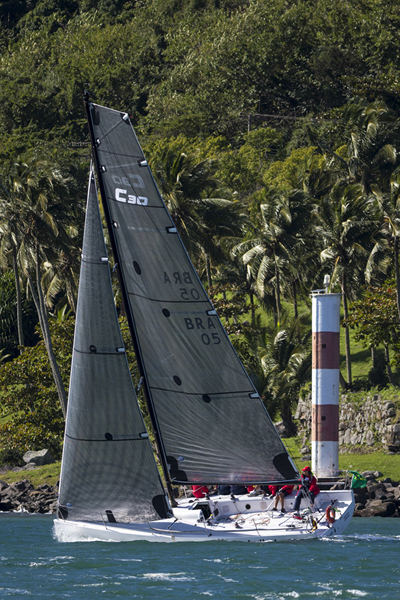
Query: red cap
(306,469)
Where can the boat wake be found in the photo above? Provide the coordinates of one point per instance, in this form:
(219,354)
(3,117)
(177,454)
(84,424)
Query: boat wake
(362,537)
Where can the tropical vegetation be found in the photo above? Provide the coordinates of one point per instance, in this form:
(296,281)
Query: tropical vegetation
(273,131)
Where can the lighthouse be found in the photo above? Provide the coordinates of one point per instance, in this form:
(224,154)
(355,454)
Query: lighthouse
(325,382)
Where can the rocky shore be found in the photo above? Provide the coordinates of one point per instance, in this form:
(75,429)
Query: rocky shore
(21,496)
(377,499)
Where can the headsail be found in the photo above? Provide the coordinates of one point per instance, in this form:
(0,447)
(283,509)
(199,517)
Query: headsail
(210,421)
(108,463)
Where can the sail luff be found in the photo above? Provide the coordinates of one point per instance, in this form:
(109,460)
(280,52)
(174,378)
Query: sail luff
(213,425)
(125,299)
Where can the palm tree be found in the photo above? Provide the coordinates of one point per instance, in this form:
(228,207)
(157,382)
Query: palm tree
(279,361)
(31,225)
(347,225)
(371,150)
(270,252)
(188,185)
(388,244)
(218,219)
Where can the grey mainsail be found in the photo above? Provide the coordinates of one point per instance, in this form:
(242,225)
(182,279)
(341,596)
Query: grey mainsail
(108,467)
(209,420)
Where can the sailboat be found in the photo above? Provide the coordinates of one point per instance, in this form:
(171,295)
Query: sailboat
(208,421)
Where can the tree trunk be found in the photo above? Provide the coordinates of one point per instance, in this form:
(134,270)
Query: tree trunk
(388,367)
(251,296)
(208,270)
(396,271)
(38,299)
(21,341)
(286,414)
(296,312)
(343,383)
(278,295)
(347,332)
(373,356)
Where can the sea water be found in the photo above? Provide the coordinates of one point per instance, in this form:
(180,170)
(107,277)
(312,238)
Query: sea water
(362,563)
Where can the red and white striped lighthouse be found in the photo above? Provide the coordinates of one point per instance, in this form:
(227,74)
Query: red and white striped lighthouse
(325,382)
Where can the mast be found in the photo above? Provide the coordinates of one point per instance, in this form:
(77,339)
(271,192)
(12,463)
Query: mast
(126,302)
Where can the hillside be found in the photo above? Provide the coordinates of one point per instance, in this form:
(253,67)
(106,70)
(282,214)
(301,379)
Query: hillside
(273,132)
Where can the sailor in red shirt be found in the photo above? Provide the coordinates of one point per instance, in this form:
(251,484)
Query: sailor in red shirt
(280,495)
(308,487)
(199,491)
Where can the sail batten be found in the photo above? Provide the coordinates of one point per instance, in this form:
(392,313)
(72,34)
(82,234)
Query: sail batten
(209,420)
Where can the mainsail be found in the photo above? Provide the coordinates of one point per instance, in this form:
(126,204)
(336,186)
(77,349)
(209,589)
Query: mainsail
(210,422)
(108,467)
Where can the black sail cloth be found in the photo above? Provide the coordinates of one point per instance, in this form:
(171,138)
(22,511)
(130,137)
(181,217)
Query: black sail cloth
(212,423)
(108,463)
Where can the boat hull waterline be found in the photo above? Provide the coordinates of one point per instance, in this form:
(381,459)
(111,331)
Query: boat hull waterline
(244,519)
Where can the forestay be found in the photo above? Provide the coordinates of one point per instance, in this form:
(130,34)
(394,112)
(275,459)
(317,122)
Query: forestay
(108,463)
(213,424)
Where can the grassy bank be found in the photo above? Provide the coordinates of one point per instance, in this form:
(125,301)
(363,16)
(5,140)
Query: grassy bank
(387,464)
(47,474)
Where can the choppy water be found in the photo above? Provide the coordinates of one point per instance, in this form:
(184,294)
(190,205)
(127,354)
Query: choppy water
(363,563)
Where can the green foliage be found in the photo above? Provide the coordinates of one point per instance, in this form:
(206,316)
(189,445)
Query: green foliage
(229,300)
(278,359)
(289,150)
(30,398)
(8,317)
(375,319)
(11,457)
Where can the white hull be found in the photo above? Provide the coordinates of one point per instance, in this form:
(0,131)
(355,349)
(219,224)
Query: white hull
(244,519)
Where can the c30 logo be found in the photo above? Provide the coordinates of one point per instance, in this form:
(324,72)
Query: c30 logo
(123,196)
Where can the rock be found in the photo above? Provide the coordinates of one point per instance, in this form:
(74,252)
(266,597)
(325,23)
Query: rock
(369,475)
(388,405)
(22,495)
(3,485)
(375,490)
(381,494)
(5,468)
(305,450)
(29,467)
(360,500)
(395,491)
(377,508)
(42,457)
(347,437)
(369,438)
